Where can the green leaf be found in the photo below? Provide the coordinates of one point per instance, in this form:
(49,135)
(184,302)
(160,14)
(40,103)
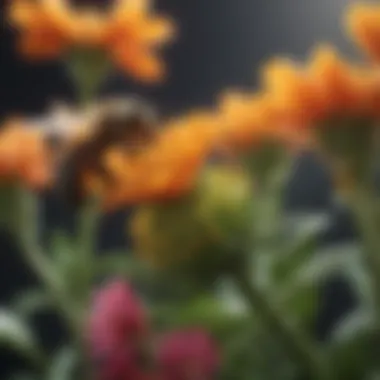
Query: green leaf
(16,335)
(340,258)
(357,355)
(286,263)
(203,311)
(374,375)
(63,364)
(30,302)
(353,324)
(305,224)
(299,303)
(251,353)
(231,298)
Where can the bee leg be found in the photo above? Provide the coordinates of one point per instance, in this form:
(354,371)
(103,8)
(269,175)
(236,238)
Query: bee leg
(104,174)
(69,184)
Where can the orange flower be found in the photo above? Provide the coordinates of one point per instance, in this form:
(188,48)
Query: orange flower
(24,156)
(128,33)
(363,24)
(325,89)
(291,90)
(41,37)
(251,119)
(165,169)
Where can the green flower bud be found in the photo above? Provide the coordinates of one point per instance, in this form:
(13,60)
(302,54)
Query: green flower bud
(202,231)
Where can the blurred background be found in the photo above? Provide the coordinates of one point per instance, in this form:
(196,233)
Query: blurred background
(222,44)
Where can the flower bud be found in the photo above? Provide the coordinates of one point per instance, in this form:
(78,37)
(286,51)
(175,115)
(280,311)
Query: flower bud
(120,364)
(117,332)
(188,355)
(200,231)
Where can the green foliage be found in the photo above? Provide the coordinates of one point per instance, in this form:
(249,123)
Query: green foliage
(9,218)
(257,324)
(17,335)
(31,302)
(251,353)
(202,311)
(63,364)
(355,353)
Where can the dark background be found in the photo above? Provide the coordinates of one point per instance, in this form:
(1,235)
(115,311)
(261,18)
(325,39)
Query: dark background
(222,43)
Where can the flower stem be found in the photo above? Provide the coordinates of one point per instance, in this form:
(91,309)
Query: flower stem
(87,228)
(88,69)
(37,258)
(363,205)
(296,344)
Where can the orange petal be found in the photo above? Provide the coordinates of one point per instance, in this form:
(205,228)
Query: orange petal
(335,78)
(363,24)
(24,14)
(141,64)
(123,8)
(158,30)
(41,45)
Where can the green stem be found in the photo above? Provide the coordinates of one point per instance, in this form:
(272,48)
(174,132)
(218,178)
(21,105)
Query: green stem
(88,69)
(87,231)
(296,344)
(37,258)
(363,206)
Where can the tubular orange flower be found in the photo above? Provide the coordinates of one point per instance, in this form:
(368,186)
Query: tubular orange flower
(24,156)
(251,119)
(41,37)
(127,32)
(165,169)
(337,103)
(133,36)
(327,88)
(346,89)
(246,118)
(363,24)
(291,91)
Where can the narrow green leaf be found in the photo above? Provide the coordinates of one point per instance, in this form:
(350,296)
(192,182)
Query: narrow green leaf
(353,324)
(230,298)
(63,364)
(17,335)
(298,302)
(204,311)
(355,356)
(30,302)
(286,263)
(305,224)
(340,258)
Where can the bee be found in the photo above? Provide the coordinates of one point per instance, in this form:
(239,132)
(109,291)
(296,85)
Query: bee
(127,123)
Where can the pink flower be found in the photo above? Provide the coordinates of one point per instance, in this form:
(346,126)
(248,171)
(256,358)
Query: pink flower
(117,317)
(188,355)
(120,365)
(117,333)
